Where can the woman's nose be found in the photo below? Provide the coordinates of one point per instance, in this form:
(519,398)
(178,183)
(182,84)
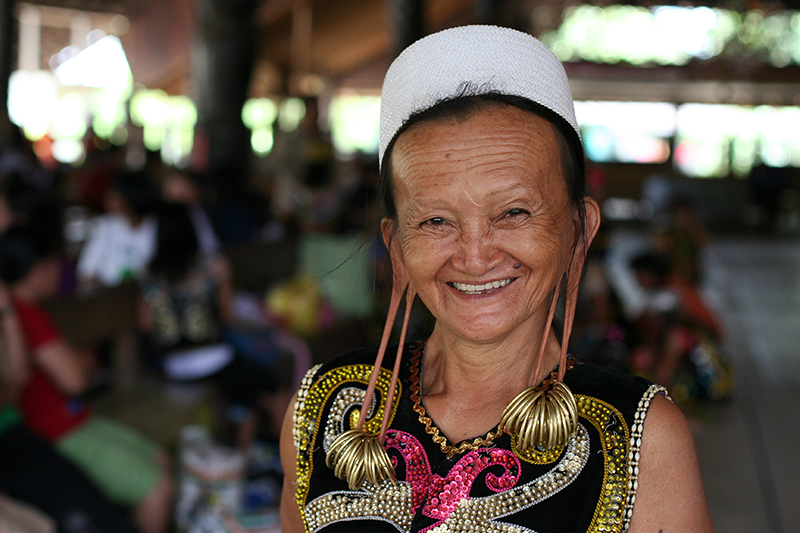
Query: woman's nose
(478,253)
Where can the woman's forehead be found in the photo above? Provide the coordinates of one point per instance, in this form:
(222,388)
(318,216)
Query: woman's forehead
(499,148)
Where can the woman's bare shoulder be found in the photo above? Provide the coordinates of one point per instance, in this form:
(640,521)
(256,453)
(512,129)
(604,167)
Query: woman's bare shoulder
(670,496)
(291,520)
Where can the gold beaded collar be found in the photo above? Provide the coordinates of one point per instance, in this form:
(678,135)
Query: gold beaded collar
(433,431)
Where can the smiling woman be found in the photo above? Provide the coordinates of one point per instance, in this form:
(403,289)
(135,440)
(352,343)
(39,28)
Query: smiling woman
(488,424)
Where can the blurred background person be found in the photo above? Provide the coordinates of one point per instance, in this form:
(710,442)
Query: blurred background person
(31,471)
(121,241)
(675,335)
(183,188)
(683,239)
(129,469)
(188,314)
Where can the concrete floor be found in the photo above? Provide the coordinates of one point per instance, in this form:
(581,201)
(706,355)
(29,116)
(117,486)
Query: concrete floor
(749,451)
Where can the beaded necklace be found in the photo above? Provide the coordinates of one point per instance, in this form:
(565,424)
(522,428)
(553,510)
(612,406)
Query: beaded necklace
(414,386)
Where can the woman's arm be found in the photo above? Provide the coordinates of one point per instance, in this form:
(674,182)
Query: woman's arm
(68,368)
(670,498)
(291,522)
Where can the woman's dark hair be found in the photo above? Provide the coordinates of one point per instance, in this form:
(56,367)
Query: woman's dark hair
(462,106)
(39,211)
(177,249)
(21,248)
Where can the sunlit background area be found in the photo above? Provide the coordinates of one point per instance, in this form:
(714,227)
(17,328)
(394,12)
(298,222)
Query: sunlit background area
(86,89)
(88,85)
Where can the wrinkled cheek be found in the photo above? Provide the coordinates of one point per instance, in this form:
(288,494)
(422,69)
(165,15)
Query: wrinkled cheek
(422,262)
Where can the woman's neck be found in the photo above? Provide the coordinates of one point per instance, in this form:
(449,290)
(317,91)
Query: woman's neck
(467,386)
(460,370)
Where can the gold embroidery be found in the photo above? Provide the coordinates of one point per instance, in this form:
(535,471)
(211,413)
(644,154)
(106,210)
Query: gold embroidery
(312,398)
(614,438)
(536,456)
(619,447)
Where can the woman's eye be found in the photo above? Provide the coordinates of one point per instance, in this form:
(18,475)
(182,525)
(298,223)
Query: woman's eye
(516,212)
(435,221)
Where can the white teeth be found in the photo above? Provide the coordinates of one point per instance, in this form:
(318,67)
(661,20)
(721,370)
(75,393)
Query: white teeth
(475,289)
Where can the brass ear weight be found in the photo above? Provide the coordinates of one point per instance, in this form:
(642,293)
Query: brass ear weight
(357,456)
(545,417)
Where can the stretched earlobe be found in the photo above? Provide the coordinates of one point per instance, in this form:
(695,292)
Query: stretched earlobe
(571,304)
(355,455)
(544,416)
(547,326)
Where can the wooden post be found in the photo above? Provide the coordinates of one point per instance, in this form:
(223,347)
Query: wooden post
(407,22)
(222,64)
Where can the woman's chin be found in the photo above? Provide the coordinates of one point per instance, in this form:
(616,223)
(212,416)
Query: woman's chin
(481,330)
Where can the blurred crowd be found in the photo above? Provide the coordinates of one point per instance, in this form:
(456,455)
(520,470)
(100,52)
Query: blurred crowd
(123,217)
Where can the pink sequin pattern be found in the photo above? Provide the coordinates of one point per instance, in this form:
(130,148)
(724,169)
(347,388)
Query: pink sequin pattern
(440,496)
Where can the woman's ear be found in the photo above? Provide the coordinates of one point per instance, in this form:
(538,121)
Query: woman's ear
(591,223)
(388,229)
(389,234)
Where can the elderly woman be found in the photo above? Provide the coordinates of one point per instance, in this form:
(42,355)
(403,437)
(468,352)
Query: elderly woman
(488,425)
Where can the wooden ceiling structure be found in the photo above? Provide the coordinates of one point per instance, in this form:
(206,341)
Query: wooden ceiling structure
(309,44)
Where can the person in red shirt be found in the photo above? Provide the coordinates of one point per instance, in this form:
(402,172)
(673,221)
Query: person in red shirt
(127,467)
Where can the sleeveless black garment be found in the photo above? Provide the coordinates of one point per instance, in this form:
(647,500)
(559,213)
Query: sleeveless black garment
(587,486)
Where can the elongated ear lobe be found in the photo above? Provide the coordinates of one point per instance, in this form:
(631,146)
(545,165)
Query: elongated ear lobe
(574,270)
(356,455)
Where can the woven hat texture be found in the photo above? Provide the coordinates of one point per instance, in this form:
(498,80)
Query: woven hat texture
(490,58)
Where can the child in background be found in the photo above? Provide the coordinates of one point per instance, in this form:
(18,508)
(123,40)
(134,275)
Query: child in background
(683,241)
(671,321)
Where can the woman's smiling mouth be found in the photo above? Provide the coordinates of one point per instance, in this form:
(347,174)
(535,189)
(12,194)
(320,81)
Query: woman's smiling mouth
(468,288)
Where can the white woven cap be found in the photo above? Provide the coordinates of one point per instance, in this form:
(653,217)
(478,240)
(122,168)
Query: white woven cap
(491,58)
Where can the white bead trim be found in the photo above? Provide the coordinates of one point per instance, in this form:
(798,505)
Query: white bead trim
(635,446)
(298,426)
